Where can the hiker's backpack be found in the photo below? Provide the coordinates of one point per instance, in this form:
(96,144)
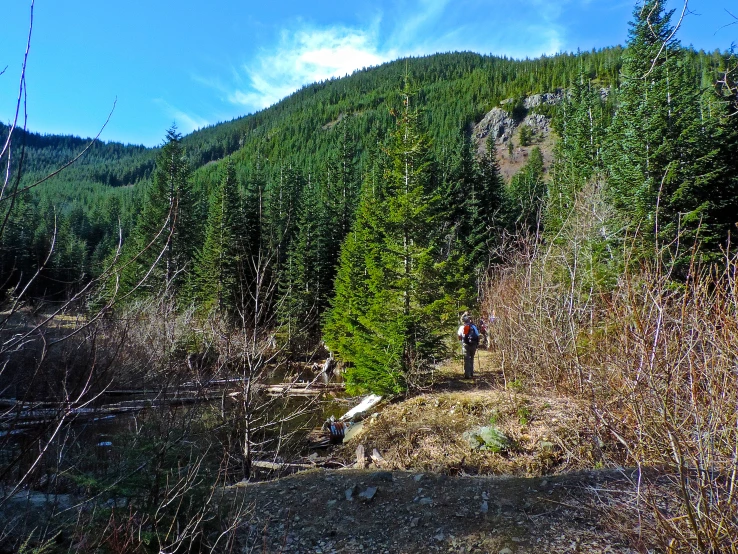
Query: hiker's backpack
(471,335)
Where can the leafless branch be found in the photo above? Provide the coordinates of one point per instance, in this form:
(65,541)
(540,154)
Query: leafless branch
(668,39)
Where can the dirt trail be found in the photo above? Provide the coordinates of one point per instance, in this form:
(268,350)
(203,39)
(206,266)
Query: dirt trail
(433,493)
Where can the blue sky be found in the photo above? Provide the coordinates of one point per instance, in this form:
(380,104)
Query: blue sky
(197,63)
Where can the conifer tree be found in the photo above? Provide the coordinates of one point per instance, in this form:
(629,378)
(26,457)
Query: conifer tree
(254,264)
(281,205)
(162,245)
(326,211)
(467,201)
(581,123)
(301,285)
(644,131)
(664,162)
(344,329)
(216,269)
(396,307)
(526,194)
(491,191)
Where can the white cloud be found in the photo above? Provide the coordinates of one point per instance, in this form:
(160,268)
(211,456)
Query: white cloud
(303,57)
(305,54)
(186,123)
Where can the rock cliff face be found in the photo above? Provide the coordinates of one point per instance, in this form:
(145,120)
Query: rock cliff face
(500,125)
(550,98)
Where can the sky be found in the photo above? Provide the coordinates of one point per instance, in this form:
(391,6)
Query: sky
(197,62)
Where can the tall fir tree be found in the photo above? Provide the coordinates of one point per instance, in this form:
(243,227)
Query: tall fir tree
(526,195)
(490,195)
(399,300)
(344,329)
(301,291)
(282,200)
(216,268)
(254,266)
(325,215)
(664,162)
(160,251)
(581,123)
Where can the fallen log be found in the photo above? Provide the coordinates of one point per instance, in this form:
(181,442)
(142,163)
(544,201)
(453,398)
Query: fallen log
(38,413)
(279,466)
(295,389)
(360,411)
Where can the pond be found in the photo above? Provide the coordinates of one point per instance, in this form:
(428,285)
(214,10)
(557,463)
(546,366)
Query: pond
(125,430)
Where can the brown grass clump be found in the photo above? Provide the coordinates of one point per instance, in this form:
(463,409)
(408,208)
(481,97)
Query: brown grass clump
(547,434)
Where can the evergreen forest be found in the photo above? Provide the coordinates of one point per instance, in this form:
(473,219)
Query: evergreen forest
(309,182)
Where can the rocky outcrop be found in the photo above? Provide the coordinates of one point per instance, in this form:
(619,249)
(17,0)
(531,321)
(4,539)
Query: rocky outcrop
(550,98)
(539,123)
(498,124)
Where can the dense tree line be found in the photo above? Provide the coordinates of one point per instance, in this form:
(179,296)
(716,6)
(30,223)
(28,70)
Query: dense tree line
(359,211)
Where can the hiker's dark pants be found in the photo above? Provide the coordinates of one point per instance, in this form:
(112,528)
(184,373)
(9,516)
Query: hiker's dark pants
(469,350)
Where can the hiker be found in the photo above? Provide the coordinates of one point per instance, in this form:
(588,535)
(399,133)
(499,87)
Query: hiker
(469,336)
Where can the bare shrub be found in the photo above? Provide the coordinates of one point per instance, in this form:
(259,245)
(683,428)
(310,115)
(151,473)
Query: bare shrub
(544,296)
(654,356)
(676,380)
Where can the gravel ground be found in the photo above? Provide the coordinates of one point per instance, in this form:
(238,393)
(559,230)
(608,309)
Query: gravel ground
(325,511)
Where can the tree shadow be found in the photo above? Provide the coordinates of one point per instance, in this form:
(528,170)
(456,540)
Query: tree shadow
(488,375)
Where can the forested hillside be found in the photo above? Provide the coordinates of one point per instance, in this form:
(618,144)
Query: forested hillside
(305,137)
(384,158)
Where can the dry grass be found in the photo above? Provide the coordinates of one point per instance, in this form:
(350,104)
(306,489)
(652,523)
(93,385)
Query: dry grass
(548,434)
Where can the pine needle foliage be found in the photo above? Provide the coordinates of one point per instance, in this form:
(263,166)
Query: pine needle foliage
(162,246)
(216,269)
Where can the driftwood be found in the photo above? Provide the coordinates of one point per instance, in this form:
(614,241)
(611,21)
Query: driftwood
(357,413)
(314,461)
(15,414)
(33,413)
(280,466)
(360,458)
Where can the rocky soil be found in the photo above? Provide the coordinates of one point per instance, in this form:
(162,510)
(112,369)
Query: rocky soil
(326,511)
(500,126)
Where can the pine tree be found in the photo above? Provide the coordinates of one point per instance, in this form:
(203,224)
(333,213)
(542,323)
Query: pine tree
(490,194)
(390,280)
(254,263)
(301,292)
(581,123)
(664,162)
(281,206)
(216,268)
(468,203)
(644,132)
(526,194)
(344,329)
(161,248)
(326,212)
